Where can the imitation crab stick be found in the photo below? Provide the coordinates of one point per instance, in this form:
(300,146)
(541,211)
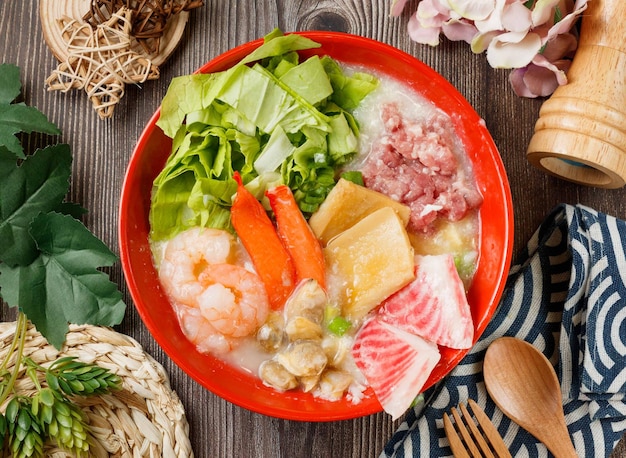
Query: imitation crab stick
(258,235)
(297,236)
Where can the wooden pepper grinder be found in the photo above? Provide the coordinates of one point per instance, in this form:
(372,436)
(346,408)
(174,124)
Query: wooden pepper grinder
(581,131)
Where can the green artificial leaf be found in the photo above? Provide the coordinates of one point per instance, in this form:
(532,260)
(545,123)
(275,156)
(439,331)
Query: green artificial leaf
(72,209)
(63,285)
(38,185)
(17,117)
(10,85)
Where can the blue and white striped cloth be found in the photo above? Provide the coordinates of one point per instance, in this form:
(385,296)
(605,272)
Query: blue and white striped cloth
(567,297)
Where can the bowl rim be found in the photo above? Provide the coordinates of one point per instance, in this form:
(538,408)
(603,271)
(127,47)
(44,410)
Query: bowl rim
(132,272)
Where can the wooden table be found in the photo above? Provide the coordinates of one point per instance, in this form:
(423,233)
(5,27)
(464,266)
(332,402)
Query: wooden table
(101,151)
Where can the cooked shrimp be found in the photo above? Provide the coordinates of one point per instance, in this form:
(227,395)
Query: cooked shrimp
(200,332)
(217,302)
(234,300)
(187,255)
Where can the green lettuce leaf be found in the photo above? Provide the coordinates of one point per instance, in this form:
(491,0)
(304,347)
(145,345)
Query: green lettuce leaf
(261,99)
(348,91)
(309,80)
(277,149)
(196,186)
(277,44)
(268,116)
(188,94)
(342,142)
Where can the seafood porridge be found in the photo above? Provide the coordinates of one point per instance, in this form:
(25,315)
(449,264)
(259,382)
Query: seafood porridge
(321,236)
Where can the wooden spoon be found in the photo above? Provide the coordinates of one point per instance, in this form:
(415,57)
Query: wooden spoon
(523,384)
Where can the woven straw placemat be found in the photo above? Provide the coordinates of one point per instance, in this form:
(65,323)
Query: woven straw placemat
(144,419)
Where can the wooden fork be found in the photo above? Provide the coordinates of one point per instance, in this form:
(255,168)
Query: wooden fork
(469,440)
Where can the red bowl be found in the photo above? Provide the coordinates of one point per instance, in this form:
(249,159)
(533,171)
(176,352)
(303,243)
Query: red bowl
(244,389)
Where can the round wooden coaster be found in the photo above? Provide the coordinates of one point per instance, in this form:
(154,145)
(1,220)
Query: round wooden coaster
(51,11)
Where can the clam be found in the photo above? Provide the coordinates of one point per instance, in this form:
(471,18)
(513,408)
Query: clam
(308,300)
(334,383)
(309,383)
(336,348)
(301,328)
(303,358)
(275,375)
(271,335)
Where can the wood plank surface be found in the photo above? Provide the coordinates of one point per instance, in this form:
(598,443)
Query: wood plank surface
(101,151)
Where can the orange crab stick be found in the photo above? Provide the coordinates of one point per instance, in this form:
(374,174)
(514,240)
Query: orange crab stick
(297,236)
(257,234)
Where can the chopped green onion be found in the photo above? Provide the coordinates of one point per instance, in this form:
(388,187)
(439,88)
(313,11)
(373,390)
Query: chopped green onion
(418,400)
(339,325)
(353,176)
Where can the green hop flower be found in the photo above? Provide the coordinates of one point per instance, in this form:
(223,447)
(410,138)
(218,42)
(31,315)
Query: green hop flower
(25,431)
(75,377)
(62,420)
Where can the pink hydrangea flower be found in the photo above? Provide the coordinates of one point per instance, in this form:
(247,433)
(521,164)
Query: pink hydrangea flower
(532,37)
